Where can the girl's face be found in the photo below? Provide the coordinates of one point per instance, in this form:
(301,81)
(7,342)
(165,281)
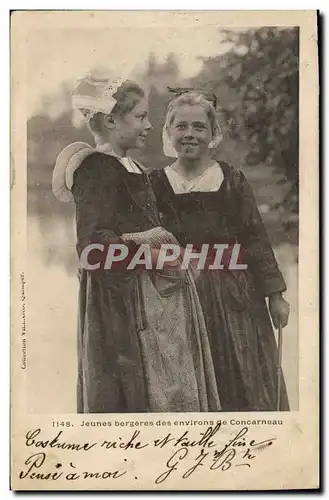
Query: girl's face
(190,131)
(132,128)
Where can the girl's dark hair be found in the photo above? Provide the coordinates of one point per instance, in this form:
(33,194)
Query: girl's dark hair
(127,96)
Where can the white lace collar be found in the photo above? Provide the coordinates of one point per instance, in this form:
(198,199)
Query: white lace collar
(72,157)
(210,180)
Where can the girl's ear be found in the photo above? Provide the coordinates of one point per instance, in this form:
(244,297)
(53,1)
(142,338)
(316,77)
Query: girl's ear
(217,137)
(109,121)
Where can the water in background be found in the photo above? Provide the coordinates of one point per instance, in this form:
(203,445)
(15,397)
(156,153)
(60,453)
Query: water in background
(52,310)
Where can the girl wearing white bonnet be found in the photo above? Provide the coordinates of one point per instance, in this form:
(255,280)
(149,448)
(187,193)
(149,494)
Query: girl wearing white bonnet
(204,200)
(142,342)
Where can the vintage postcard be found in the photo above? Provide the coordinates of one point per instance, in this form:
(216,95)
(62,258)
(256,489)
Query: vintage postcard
(164,250)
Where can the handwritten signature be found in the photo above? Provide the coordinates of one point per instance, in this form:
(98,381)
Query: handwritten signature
(237,452)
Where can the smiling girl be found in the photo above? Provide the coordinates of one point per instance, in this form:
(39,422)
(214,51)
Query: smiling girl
(205,201)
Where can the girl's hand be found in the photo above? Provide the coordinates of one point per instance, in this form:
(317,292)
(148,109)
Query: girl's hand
(167,264)
(279,309)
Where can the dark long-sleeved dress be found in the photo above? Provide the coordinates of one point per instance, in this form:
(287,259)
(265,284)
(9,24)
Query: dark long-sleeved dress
(240,332)
(142,342)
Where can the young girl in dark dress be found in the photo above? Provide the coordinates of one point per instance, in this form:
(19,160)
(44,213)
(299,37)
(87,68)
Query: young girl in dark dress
(204,201)
(142,342)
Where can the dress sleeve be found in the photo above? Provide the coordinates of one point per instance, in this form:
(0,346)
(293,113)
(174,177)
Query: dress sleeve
(95,194)
(256,244)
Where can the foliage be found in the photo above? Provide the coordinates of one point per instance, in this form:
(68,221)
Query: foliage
(261,70)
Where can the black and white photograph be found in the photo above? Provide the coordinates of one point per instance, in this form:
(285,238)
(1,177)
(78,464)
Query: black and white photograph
(163,221)
(204,150)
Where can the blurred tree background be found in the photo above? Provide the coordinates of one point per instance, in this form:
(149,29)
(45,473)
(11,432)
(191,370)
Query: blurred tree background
(256,82)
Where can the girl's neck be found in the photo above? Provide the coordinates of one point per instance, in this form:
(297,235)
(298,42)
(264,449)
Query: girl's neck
(111,145)
(193,168)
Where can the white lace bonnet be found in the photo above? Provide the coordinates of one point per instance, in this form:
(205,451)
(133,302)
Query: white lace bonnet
(93,94)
